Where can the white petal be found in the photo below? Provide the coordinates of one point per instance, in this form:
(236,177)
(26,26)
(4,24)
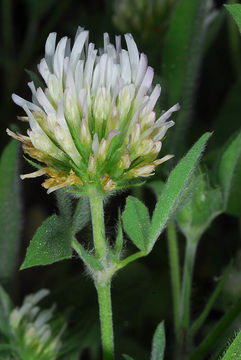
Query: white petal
(79,30)
(60,116)
(162,132)
(79,75)
(78,47)
(106,41)
(43,101)
(133,54)
(103,63)
(146,83)
(32,121)
(33,90)
(125,67)
(111,51)
(58,60)
(153,98)
(96,78)
(118,44)
(83,102)
(49,49)
(44,70)
(22,102)
(141,70)
(166,115)
(68,48)
(95,143)
(89,64)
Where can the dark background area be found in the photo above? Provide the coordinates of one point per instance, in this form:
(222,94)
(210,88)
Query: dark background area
(141,292)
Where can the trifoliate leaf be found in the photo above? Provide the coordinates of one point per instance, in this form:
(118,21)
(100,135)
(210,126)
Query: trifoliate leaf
(51,243)
(136,222)
(174,189)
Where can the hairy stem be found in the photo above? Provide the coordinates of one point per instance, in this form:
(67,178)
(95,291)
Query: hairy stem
(174,270)
(104,298)
(98,225)
(102,278)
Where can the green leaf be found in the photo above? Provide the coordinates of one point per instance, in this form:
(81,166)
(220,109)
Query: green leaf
(174,189)
(234,350)
(10,210)
(136,222)
(158,343)
(204,204)
(127,357)
(119,239)
(200,320)
(81,216)
(235,11)
(51,243)
(181,61)
(229,174)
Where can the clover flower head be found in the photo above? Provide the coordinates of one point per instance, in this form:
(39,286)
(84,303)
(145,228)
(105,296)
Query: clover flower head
(94,121)
(30,327)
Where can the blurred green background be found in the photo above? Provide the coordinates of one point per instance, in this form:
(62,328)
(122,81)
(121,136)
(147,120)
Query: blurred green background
(141,293)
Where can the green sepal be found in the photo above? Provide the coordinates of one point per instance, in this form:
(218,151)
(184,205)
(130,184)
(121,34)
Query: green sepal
(33,163)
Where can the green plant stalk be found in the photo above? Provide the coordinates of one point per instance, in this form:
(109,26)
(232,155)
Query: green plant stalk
(104,298)
(98,225)
(203,316)
(203,349)
(103,277)
(175,271)
(191,247)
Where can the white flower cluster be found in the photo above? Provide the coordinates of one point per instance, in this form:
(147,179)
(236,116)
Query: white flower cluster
(31,329)
(94,122)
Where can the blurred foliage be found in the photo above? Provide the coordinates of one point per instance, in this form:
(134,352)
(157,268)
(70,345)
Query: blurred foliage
(195,48)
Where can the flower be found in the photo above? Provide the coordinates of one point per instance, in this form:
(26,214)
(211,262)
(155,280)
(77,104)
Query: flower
(32,336)
(94,122)
(147,19)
